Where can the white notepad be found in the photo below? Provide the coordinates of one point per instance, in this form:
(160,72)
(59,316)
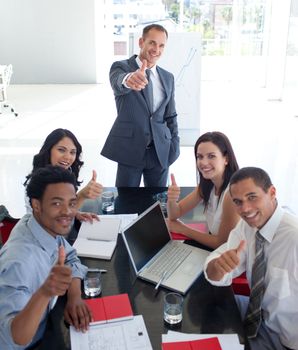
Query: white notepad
(106,229)
(99,239)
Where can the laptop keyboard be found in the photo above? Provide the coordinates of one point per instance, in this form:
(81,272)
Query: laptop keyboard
(169,260)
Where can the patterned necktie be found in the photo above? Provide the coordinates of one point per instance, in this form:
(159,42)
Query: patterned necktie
(149,90)
(254,312)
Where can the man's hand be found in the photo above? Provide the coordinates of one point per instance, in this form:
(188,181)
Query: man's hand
(77,313)
(173,190)
(59,278)
(137,80)
(226,263)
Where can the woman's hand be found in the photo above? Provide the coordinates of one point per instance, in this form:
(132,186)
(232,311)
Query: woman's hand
(176,226)
(173,190)
(93,189)
(83,216)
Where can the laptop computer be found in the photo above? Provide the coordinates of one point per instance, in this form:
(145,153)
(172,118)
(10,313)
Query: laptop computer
(159,259)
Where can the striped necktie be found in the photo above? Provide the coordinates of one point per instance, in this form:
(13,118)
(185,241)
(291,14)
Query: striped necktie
(253,316)
(149,89)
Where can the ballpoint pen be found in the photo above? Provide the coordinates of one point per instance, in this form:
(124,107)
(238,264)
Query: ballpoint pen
(161,280)
(97,270)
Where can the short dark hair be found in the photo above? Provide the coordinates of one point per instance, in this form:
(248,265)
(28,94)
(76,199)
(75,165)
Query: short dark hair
(258,175)
(43,157)
(154,26)
(225,147)
(42,177)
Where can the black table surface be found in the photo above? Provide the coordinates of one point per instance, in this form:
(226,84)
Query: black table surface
(206,309)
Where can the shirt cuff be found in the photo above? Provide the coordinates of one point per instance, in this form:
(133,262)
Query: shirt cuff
(124,80)
(79,270)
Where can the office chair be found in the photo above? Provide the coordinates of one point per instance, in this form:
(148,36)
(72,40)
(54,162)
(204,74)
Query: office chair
(7,223)
(5,77)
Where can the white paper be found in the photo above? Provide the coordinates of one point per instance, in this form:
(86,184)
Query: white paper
(94,249)
(126,219)
(106,229)
(227,341)
(129,334)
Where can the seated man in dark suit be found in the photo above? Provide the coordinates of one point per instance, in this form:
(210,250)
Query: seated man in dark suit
(37,264)
(144,138)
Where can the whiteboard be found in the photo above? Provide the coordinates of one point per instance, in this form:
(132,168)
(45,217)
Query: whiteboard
(182,57)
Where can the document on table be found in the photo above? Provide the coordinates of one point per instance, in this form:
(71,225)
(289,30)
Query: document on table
(126,219)
(227,341)
(128,334)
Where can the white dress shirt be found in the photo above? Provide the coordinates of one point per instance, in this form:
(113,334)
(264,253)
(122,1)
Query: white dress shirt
(280,302)
(25,262)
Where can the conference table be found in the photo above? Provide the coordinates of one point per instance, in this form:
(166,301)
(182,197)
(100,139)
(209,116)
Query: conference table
(206,309)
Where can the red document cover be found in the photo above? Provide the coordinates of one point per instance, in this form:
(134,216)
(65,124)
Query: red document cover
(200,344)
(111,308)
(200,226)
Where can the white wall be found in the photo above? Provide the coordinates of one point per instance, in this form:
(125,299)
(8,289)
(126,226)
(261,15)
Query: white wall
(48,41)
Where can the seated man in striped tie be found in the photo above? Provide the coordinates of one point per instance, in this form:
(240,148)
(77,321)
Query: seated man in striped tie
(265,245)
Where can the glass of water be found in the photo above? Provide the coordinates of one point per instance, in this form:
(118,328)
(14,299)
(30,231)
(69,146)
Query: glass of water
(108,202)
(162,198)
(173,304)
(92,283)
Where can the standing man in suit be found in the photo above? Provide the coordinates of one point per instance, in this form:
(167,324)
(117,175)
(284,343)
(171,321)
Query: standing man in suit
(144,138)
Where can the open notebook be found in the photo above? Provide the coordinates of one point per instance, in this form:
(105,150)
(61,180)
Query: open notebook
(99,239)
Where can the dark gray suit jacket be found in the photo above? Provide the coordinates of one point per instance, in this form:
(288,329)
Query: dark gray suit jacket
(127,140)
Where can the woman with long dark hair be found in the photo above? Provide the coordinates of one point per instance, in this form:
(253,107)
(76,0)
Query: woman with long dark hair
(216,163)
(62,148)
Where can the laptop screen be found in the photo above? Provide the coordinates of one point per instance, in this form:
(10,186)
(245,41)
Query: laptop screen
(147,236)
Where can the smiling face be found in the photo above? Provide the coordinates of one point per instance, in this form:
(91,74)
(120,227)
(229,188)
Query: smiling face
(211,162)
(63,153)
(57,208)
(152,46)
(253,204)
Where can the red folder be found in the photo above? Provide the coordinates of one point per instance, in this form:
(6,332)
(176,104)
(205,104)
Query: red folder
(200,226)
(110,309)
(200,344)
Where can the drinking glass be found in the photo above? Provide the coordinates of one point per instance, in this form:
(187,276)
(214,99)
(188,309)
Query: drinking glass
(173,303)
(108,202)
(92,283)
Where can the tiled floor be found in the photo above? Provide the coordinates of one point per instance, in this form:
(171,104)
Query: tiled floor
(263,133)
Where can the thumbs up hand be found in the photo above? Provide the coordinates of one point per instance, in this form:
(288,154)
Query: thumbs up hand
(59,278)
(93,189)
(230,259)
(61,256)
(137,80)
(173,190)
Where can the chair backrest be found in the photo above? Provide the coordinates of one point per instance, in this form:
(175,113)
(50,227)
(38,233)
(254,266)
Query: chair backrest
(6,226)
(7,222)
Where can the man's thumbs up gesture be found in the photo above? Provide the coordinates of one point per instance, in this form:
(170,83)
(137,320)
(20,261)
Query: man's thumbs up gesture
(138,80)
(59,278)
(225,263)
